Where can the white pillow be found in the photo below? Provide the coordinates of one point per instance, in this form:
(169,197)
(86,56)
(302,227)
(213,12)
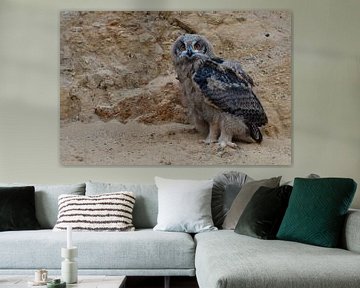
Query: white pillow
(104,212)
(184,205)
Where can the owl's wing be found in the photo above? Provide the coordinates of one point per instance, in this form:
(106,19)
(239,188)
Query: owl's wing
(236,67)
(229,91)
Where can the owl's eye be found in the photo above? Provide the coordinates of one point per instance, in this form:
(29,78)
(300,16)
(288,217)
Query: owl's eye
(198,46)
(181,47)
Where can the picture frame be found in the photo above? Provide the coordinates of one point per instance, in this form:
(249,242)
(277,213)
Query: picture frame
(121,101)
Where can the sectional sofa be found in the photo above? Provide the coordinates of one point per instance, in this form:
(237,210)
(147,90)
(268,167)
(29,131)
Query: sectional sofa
(218,258)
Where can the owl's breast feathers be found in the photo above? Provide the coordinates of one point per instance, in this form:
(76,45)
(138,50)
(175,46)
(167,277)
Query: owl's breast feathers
(230,90)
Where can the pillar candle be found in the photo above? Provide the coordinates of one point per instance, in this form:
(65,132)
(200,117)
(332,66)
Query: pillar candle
(69,237)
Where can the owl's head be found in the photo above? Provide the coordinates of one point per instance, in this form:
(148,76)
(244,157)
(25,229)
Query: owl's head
(189,47)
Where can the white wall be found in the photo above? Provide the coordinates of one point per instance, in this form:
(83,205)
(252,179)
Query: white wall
(326,91)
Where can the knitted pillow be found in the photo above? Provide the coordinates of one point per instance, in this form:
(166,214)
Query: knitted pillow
(316,211)
(105,212)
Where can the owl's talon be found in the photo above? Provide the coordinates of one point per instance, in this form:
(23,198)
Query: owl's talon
(204,142)
(207,141)
(224,144)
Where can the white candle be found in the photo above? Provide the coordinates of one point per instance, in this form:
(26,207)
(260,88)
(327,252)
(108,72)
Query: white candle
(69,239)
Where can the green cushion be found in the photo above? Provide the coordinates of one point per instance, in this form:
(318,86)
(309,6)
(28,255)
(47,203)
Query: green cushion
(17,208)
(263,215)
(316,211)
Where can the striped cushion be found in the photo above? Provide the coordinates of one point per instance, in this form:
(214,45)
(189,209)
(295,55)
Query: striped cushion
(105,212)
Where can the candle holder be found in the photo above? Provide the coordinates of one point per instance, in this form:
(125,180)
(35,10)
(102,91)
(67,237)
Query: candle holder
(69,271)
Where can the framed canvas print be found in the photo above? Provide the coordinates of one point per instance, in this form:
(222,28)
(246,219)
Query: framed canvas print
(175,88)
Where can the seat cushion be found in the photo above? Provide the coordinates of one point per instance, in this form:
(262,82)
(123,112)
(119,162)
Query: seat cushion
(137,250)
(226,259)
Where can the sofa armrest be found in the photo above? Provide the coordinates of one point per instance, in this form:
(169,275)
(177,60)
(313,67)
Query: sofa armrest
(351,234)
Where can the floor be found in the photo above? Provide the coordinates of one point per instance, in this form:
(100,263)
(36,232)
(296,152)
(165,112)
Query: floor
(158,282)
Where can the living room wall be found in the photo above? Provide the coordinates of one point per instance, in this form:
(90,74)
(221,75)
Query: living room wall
(326,100)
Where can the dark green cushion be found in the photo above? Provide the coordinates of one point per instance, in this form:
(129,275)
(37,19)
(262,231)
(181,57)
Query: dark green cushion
(316,211)
(17,208)
(264,213)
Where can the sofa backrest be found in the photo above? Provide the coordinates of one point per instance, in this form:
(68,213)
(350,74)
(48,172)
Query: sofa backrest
(146,203)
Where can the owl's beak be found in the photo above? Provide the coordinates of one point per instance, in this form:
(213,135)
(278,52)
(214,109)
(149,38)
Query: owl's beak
(189,52)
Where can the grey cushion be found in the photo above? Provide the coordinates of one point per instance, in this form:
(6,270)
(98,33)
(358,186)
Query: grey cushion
(351,235)
(146,204)
(310,176)
(248,262)
(226,187)
(143,249)
(46,200)
(243,198)
(184,205)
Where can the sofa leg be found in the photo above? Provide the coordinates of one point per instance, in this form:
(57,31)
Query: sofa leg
(167,282)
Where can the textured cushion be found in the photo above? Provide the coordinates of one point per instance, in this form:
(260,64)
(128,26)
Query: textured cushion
(226,187)
(146,205)
(317,210)
(46,200)
(263,215)
(243,198)
(17,208)
(184,205)
(106,212)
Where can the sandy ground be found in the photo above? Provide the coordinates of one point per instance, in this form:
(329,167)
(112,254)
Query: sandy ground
(114,143)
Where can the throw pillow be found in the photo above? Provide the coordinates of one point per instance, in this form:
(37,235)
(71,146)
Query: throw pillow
(311,175)
(17,209)
(146,205)
(106,212)
(316,211)
(184,205)
(226,187)
(243,198)
(46,200)
(263,215)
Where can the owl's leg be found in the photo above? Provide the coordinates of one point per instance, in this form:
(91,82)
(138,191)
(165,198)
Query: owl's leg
(225,140)
(213,135)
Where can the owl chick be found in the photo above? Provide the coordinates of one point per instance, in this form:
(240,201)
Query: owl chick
(218,93)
